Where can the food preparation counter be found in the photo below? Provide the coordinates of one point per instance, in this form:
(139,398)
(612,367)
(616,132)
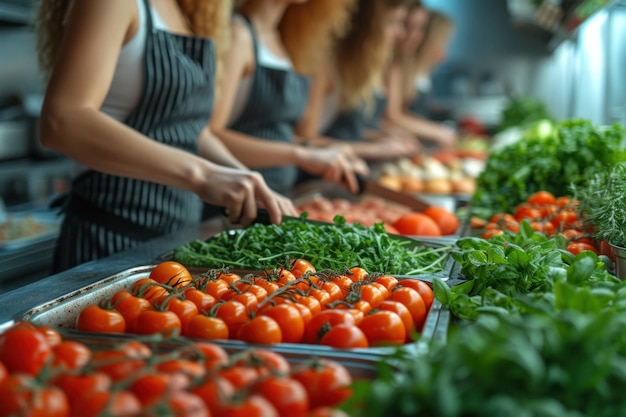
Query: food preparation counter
(14,303)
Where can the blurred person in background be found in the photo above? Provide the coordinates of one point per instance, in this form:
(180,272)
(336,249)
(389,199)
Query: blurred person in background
(276,44)
(417,54)
(129,97)
(343,90)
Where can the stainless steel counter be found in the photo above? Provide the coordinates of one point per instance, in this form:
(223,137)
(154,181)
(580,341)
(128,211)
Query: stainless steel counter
(14,303)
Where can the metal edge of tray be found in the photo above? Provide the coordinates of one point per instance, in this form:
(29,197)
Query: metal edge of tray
(62,312)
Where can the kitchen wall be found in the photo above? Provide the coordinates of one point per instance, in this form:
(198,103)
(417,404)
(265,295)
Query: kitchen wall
(19,72)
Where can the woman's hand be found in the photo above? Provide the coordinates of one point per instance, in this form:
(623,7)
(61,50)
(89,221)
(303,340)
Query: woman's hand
(240,192)
(332,164)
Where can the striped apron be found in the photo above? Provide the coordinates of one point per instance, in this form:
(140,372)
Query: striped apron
(105,214)
(349,125)
(276,103)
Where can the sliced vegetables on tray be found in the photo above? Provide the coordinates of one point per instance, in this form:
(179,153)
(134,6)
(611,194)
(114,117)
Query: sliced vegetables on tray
(328,246)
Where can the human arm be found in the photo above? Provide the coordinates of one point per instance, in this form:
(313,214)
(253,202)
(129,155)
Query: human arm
(72,123)
(397,115)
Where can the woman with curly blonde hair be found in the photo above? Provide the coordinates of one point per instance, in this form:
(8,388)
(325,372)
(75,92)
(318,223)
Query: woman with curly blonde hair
(416,57)
(129,97)
(275,45)
(343,89)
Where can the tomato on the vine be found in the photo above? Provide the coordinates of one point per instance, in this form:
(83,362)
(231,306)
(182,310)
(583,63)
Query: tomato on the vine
(265,362)
(77,386)
(384,328)
(324,321)
(526,212)
(94,318)
(215,392)
(345,336)
(262,330)
(422,288)
(372,295)
(166,323)
(149,289)
(234,315)
(403,312)
(575,248)
(130,307)
(186,310)
(171,273)
(287,395)
(251,406)
(112,404)
(203,301)
(19,396)
(206,327)
(414,302)
(300,267)
(541,198)
(52,335)
(357,274)
(327,382)
(290,321)
(565,219)
(211,355)
(25,350)
(71,355)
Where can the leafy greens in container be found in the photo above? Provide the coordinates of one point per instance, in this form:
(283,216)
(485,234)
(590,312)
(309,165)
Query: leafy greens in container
(327,246)
(572,153)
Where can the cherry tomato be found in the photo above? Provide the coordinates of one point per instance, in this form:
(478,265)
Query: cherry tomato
(372,295)
(215,392)
(71,355)
(322,296)
(300,267)
(501,218)
(257,290)
(575,248)
(152,388)
(111,404)
(526,212)
(384,328)
(186,404)
(229,277)
(19,396)
(422,288)
(212,355)
(24,349)
(414,302)
(566,202)
(171,273)
(166,323)
(327,382)
(388,281)
(3,372)
(77,386)
(346,336)
(309,302)
(97,319)
(491,233)
(192,370)
(403,312)
(268,286)
(290,321)
(344,283)
(149,289)
(541,198)
(247,299)
(130,307)
(357,274)
(116,364)
(287,395)
(265,362)
(53,337)
(332,289)
(549,211)
(184,309)
(206,327)
(285,277)
(546,228)
(305,313)
(234,315)
(203,301)
(251,406)
(217,288)
(321,323)
(239,376)
(262,330)
(565,219)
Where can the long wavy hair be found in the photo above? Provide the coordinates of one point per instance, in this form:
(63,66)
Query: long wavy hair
(207,18)
(360,55)
(307,29)
(438,32)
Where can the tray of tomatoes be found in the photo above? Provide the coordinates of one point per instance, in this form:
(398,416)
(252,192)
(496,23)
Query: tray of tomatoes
(298,308)
(44,371)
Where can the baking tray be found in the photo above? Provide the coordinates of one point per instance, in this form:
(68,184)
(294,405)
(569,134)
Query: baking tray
(49,221)
(63,311)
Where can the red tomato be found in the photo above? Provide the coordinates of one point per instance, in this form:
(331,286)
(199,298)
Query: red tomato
(166,323)
(53,337)
(327,382)
(71,355)
(212,355)
(565,219)
(234,315)
(305,313)
(203,301)
(322,296)
(346,336)
(229,277)
(526,212)
(216,288)
(309,302)
(97,319)
(77,386)
(575,248)
(252,406)
(184,309)
(332,289)
(546,228)
(384,328)
(130,307)
(152,388)
(447,221)
(149,289)
(387,281)
(116,364)
(344,283)
(20,396)
(290,321)
(262,330)
(206,327)
(265,362)
(491,233)
(502,218)
(186,404)
(239,376)
(423,289)
(25,350)
(192,370)
(3,372)
(287,395)
(414,302)
(403,312)
(357,274)
(566,202)
(541,198)
(324,321)
(300,267)
(111,404)
(372,295)
(215,392)
(171,273)
(417,224)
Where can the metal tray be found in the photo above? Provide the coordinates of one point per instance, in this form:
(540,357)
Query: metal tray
(63,311)
(50,230)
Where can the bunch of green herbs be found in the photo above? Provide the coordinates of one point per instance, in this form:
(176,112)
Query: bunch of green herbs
(523,111)
(574,152)
(327,246)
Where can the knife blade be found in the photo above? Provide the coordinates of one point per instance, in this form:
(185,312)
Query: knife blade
(367,186)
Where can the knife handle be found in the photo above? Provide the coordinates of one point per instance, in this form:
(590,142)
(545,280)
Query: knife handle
(361,180)
(262,216)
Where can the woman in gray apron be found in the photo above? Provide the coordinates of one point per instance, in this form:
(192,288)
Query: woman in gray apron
(143,174)
(266,92)
(343,92)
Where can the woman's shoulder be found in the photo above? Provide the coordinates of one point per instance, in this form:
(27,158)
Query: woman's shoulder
(240,31)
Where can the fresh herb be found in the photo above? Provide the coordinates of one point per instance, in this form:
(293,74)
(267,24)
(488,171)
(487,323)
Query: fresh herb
(574,152)
(327,246)
(565,365)
(523,111)
(603,204)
